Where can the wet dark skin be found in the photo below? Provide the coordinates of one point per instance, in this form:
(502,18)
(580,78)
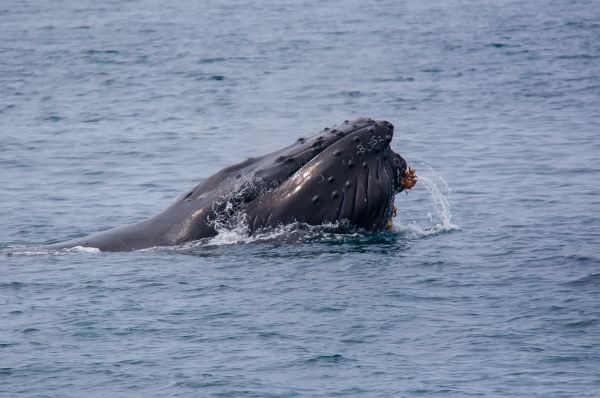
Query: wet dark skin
(346,175)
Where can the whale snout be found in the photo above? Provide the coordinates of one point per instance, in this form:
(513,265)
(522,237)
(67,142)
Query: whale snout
(369,145)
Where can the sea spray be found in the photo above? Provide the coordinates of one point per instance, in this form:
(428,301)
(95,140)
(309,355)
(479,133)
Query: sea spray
(438,217)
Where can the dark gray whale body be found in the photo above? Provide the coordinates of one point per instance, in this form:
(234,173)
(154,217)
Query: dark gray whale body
(346,175)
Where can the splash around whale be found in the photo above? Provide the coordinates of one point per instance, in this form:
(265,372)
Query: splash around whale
(346,175)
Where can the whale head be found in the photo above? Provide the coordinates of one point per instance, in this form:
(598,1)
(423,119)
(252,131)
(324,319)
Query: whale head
(346,175)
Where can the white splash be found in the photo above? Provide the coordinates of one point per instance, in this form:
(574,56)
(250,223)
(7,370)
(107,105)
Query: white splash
(230,232)
(19,250)
(82,249)
(235,230)
(438,218)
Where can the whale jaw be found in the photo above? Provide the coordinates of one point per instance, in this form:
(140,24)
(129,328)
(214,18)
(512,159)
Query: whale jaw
(351,182)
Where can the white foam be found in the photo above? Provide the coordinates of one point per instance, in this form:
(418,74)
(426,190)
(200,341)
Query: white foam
(41,251)
(231,232)
(81,249)
(236,231)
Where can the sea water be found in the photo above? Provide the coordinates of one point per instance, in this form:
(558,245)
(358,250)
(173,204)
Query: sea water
(487,285)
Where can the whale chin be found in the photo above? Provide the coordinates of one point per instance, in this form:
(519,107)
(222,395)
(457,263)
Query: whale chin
(345,175)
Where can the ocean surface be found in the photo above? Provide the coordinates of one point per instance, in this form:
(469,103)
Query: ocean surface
(488,285)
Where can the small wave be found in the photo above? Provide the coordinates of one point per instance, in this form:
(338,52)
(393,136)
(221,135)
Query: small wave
(12,285)
(327,360)
(588,280)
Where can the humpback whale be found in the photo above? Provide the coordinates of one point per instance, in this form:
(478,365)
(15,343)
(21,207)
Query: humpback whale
(346,175)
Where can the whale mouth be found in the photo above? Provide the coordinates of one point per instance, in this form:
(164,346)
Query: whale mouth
(347,172)
(353,143)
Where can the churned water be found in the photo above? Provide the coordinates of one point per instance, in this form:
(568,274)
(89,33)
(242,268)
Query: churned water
(489,284)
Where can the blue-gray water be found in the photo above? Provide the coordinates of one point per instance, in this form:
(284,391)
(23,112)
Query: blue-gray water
(488,286)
